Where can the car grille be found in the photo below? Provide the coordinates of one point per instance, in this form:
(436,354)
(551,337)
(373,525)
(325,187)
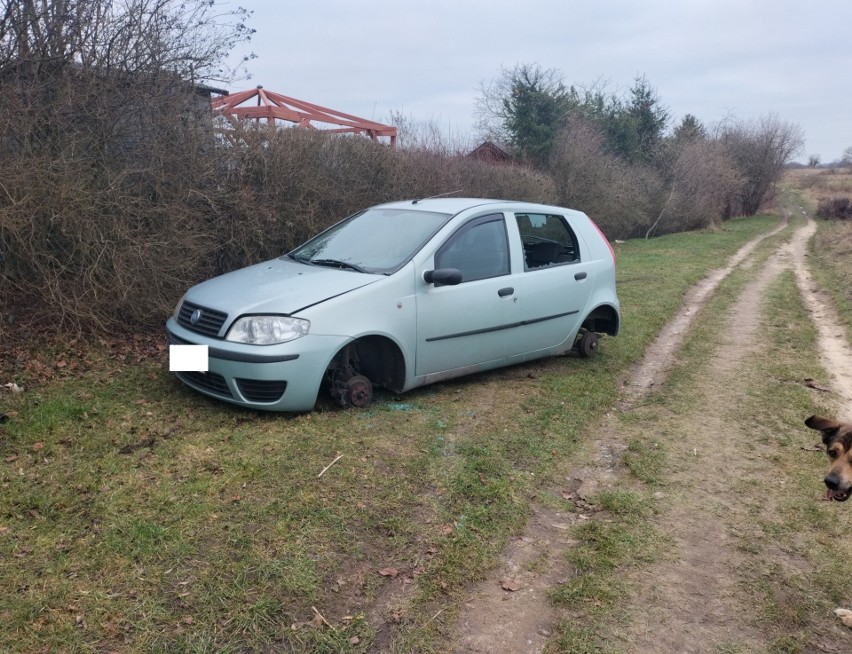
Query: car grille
(256,390)
(208,381)
(208,324)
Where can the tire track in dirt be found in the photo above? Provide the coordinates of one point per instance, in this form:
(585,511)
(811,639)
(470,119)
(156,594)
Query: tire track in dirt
(835,353)
(659,357)
(697,591)
(494,621)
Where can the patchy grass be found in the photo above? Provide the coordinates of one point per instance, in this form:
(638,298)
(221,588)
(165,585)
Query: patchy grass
(138,516)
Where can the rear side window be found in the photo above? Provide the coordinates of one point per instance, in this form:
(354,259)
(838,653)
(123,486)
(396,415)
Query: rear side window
(548,240)
(480,249)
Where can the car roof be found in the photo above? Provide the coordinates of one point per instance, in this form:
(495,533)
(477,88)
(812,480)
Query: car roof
(446,205)
(457,205)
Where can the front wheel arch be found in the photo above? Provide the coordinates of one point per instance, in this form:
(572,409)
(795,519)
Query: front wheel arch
(377,358)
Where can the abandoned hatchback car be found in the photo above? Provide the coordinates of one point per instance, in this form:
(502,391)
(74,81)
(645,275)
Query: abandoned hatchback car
(398,296)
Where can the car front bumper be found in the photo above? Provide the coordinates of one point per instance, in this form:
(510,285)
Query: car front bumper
(283,377)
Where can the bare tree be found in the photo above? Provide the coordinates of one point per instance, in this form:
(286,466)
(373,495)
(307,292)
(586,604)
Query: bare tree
(188,38)
(760,150)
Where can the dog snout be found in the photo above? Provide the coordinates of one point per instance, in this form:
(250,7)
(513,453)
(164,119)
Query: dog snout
(832,481)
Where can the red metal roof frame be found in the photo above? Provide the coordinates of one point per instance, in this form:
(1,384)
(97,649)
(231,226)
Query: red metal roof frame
(274,106)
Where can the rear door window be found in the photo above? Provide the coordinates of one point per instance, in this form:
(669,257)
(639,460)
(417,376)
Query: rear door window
(548,240)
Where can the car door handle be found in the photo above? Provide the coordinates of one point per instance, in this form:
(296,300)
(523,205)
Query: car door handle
(503,292)
(580,276)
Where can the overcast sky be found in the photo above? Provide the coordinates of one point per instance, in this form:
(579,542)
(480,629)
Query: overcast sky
(428,60)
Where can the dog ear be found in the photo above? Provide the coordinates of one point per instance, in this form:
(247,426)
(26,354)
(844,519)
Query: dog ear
(827,426)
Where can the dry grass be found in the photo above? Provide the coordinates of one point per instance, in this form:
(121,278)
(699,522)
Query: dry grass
(820,183)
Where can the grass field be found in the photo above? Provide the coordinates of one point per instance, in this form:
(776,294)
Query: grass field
(137,516)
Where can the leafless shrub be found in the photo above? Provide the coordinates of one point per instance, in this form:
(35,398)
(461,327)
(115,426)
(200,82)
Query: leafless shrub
(587,177)
(835,208)
(698,184)
(106,150)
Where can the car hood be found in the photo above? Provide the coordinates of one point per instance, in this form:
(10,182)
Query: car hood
(276,286)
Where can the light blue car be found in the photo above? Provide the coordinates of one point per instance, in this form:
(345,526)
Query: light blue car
(402,295)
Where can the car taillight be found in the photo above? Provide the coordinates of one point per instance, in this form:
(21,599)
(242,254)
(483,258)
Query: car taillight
(606,240)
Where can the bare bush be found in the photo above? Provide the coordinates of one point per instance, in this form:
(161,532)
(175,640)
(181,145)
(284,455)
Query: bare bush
(90,221)
(105,145)
(699,182)
(615,194)
(835,208)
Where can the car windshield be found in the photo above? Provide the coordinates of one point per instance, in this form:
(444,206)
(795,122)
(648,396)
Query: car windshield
(377,240)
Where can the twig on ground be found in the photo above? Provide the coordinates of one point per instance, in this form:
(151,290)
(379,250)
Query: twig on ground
(320,615)
(339,456)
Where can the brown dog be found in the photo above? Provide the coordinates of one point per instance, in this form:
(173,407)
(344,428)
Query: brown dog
(837,437)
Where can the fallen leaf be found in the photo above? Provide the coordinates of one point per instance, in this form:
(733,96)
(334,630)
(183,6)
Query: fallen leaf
(12,386)
(38,446)
(510,584)
(11,457)
(446,530)
(354,640)
(389,572)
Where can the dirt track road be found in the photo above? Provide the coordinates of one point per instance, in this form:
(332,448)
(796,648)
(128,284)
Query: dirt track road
(693,600)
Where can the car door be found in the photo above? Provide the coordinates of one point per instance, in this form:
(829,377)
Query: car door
(555,284)
(464,325)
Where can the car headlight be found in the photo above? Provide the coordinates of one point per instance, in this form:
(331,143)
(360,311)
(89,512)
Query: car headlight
(177,308)
(267,330)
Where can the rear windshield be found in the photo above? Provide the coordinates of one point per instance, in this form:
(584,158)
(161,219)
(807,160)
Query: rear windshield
(375,241)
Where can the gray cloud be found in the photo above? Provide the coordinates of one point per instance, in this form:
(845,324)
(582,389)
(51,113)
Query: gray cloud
(709,58)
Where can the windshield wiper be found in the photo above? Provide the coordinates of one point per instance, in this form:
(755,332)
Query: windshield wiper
(337,263)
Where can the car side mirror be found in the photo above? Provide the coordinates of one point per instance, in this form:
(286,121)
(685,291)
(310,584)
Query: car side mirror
(443,276)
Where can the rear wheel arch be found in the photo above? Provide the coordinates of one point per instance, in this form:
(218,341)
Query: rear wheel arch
(602,320)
